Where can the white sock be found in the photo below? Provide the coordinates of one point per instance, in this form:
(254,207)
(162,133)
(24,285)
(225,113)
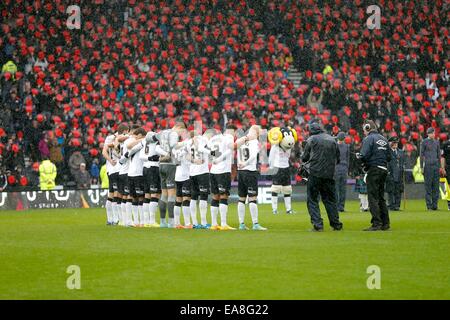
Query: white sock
(176,213)
(365,201)
(123,213)
(116,212)
(170,221)
(146,209)
(275,202)
(109,213)
(193,209)
(203,206)
(152,211)
(223,209)
(287,202)
(214,213)
(187,215)
(253,212)
(141,214)
(129,213)
(241,211)
(135,212)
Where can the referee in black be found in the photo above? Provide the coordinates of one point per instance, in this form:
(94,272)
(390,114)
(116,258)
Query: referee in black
(375,155)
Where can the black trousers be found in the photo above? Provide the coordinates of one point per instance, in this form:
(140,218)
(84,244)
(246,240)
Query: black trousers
(341,183)
(327,190)
(431,176)
(394,189)
(376,180)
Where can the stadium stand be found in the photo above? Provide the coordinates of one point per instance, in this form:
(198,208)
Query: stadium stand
(64,90)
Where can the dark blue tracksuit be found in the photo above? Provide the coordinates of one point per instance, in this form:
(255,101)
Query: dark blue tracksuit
(341,175)
(430,154)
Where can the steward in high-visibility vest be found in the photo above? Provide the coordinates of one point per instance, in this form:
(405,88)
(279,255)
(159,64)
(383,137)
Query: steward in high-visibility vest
(104,177)
(445,194)
(417,172)
(327,70)
(10,67)
(47,175)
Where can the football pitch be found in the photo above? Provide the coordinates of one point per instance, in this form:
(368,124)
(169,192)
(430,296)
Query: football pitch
(285,262)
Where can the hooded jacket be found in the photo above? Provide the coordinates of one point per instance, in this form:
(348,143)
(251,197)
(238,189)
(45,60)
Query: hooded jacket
(321,153)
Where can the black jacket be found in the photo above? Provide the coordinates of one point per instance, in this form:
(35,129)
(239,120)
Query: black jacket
(321,155)
(396,166)
(375,150)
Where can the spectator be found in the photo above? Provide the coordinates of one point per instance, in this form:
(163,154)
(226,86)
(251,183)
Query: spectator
(75,161)
(43,147)
(3,180)
(95,171)
(32,174)
(14,157)
(82,177)
(315,102)
(56,156)
(41,61)
(34,131)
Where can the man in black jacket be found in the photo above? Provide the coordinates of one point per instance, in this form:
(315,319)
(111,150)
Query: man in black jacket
(394,182)
(320,158)
(375,155)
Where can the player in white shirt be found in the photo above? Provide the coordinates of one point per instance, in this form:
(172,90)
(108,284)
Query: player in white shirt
(122,135)
(222,149)
(111,155)
(183,183)
(247,158)
(123,183)
(168,139)
(149,154)
(135,175)
(281,177)
(199,175)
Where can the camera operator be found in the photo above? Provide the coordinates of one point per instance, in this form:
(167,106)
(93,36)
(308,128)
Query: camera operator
(320,158)
(375,155)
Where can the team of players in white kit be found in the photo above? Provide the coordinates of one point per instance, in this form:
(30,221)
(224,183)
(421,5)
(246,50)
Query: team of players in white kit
(174,170)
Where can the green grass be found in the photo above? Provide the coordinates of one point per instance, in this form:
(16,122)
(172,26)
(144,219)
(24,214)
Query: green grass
(286,262)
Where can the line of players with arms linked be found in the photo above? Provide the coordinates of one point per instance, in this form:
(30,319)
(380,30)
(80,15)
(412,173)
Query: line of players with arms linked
(176,169)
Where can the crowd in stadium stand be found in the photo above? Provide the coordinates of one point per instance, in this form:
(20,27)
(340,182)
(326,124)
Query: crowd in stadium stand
(63,90)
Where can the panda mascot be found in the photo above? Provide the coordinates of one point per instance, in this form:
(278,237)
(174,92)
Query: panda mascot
(282,141)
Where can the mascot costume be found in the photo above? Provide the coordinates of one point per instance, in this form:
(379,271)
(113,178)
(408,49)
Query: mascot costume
(282,141)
